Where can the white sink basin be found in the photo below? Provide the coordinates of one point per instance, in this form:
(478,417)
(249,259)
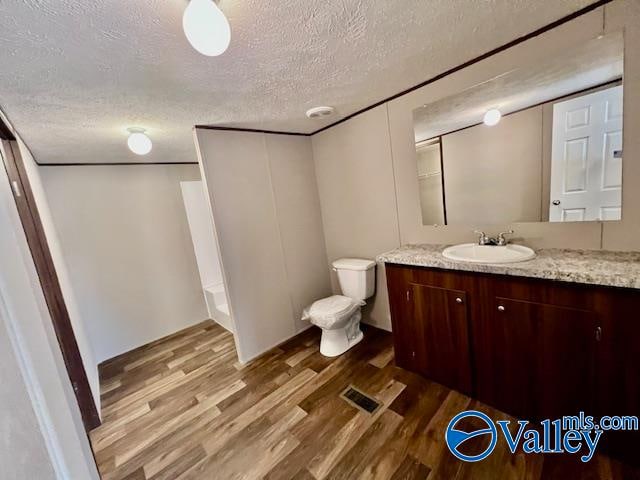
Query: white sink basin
(474,253)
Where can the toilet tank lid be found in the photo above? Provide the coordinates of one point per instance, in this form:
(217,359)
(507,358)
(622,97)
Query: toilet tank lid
(353,264)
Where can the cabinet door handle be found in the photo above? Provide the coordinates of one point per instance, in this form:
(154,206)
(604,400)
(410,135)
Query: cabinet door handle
(501,308)
(598,334)
(459,300)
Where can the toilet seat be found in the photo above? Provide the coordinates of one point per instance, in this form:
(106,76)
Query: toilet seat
(328,312)
(339,318)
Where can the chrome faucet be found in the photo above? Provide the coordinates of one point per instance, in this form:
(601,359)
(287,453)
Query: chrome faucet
(482,238)
(499,241)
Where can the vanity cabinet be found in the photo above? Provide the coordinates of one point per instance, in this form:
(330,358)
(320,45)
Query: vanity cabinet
(431,312)
(533,359)
(532,348)
(439,313)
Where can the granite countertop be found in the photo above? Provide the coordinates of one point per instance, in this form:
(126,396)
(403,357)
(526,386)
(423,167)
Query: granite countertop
(595,267)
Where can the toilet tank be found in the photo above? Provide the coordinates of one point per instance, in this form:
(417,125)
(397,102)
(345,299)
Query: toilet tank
(357,277)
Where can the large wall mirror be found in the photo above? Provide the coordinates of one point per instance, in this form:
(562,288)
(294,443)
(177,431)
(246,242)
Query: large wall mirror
(541,143)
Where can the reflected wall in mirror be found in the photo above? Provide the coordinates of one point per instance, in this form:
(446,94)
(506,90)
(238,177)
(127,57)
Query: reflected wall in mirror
(430,181)
(554,154)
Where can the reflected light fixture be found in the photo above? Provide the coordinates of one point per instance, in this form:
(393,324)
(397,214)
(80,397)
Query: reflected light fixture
(138,141)
(492,117)
(206,27)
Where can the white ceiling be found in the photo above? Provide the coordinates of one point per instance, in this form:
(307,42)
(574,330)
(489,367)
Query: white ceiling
(75,74)
(586,65)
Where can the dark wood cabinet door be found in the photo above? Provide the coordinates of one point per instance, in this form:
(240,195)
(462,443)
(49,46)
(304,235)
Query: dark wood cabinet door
(536,360)
(618,379)
(440,338)
(398,279)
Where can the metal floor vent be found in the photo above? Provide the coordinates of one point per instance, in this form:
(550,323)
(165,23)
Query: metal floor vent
(360,400)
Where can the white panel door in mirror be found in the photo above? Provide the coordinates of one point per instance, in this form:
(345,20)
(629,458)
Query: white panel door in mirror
(586,158)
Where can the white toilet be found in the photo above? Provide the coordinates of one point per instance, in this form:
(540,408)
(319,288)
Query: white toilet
(339,315)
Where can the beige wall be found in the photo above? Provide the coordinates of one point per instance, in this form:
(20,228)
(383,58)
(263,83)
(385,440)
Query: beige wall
(37,366)
(430,183)
(78,321)
(366,166)
(23,453)
(358,198)
(495,173)
(124,236)
(266,214)
(297,206)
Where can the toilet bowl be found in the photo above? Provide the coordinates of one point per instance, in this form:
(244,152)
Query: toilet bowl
(339,315)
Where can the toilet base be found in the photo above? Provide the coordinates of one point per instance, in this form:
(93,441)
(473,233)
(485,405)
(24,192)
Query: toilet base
(336,342)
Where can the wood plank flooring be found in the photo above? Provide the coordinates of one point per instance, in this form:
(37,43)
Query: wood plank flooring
(183,408)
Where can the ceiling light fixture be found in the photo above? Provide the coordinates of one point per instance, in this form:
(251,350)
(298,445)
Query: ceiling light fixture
(492,117)
(206,27)
(138,141)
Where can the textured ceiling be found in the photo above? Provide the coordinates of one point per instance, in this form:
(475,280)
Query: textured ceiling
(75,74)
(587,65)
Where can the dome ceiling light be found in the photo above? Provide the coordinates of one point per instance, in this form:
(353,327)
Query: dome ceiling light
(138,141)
(206,27)
(492,117)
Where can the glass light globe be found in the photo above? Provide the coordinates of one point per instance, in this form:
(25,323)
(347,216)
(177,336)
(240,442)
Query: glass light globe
(139,143)
(206,27)
(492,117)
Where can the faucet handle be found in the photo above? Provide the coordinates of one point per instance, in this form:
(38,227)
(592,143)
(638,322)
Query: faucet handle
(501,240)
(482,237)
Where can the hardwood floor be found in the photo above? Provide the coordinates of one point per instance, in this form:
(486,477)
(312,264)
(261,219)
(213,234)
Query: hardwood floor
(183,408)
